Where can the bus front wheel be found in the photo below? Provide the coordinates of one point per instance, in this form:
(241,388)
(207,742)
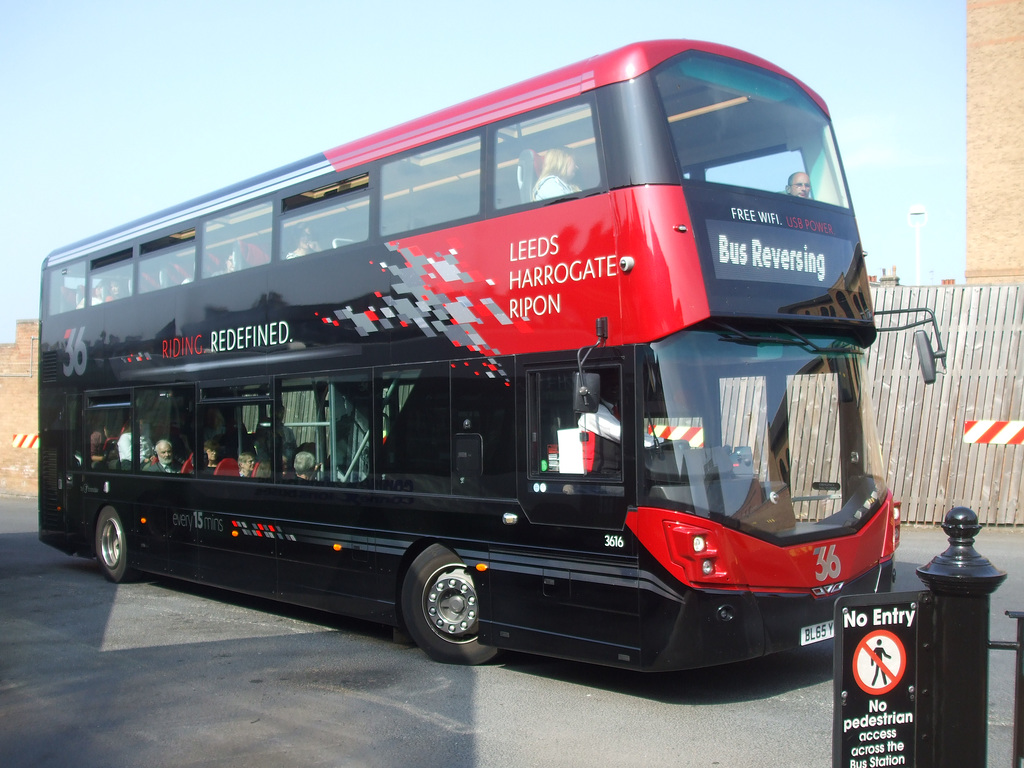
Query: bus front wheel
(441,608)
(112,546)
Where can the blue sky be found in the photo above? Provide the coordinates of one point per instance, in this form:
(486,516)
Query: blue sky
(114,109)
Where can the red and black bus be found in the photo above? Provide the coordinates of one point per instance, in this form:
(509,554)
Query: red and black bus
(575,368)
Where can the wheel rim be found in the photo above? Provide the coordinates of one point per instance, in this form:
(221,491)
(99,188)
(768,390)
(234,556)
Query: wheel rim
(450,604)
(111,542)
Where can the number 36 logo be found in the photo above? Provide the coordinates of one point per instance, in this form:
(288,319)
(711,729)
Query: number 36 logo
(77,356)
(829,566)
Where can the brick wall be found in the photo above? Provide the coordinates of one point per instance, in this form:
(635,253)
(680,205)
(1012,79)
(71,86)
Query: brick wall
(995,147)
(19,379)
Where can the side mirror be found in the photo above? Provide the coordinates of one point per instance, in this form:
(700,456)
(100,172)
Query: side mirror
(587,393)
(925,356)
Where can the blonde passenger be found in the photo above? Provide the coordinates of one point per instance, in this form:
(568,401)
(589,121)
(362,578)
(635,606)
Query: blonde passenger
(556,174)
(307,244)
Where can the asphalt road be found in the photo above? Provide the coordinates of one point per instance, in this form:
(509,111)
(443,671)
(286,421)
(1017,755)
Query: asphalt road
(161,673)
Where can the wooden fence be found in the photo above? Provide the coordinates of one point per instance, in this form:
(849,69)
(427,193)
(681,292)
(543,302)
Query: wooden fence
(930,467)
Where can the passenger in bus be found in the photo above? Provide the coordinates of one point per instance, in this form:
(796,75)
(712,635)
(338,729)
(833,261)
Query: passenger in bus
(799,185)
(556,174)
(96,455)
(111,458)
(165,459)
(305,245)
(305,466)
(124,446)
(103,451)
(246,464)
(214,453)
(284,439)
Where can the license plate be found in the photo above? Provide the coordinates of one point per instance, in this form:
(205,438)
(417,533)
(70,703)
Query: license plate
(817,632)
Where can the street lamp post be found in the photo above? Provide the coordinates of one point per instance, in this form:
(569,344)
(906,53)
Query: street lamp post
(917,218)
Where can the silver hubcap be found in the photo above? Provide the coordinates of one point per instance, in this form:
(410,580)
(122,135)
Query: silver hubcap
(110,543)
(450,604)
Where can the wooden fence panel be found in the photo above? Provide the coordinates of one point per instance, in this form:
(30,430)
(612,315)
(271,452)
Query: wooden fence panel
(930,467)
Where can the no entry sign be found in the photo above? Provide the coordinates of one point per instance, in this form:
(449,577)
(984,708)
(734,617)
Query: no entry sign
(875,710)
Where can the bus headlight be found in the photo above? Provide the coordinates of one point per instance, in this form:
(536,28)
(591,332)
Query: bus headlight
(698,551)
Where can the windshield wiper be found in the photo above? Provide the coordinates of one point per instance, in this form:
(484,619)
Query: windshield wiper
(742,337)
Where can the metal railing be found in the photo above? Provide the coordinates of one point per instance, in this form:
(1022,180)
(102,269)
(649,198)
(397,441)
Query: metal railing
(1018,686)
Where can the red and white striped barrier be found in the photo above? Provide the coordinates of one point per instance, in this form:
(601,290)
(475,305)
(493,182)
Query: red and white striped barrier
(25,441)
(693,435)
(990,432)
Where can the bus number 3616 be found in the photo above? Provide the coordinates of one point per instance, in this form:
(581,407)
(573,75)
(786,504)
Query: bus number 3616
(614,541)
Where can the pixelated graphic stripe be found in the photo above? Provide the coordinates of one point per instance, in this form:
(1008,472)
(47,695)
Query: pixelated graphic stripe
(992,432)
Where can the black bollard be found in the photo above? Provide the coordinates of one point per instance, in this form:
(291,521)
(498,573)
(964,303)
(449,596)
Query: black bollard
(957,692)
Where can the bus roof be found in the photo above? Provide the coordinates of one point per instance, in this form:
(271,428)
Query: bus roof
(615,66)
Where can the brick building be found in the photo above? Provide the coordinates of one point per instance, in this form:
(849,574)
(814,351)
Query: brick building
(19,380)
(995,149)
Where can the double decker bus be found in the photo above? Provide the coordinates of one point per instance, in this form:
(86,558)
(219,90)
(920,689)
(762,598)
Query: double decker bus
(575,368)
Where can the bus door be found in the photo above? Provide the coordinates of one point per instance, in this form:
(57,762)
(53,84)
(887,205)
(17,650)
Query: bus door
(327,560)
(73,460)
(60,475)
(569,567)
(158,445)
(232,525)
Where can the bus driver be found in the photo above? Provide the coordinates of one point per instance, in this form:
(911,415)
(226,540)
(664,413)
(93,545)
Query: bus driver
(799,185)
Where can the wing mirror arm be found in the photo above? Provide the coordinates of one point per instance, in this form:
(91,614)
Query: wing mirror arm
(587,386)
(926,355)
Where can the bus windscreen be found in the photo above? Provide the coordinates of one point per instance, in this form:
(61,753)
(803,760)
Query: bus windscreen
(764,432)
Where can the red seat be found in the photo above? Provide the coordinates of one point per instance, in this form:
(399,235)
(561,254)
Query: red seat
(227,467)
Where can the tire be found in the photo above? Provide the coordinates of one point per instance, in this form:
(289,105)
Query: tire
(112,547)
(440,608)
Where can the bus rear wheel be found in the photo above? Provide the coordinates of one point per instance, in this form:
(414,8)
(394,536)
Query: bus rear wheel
(441,608)
(112,546)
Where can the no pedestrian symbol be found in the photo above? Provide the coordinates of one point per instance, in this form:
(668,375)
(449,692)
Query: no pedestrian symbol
(879,662)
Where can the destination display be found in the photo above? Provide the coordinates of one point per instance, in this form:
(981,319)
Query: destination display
(768,253)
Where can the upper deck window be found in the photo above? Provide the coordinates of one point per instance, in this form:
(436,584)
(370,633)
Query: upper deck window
(110,278)
(732,123)
(550,155)
(237,240)
(328,217)
(167,268)
(441,184)
(66,288)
